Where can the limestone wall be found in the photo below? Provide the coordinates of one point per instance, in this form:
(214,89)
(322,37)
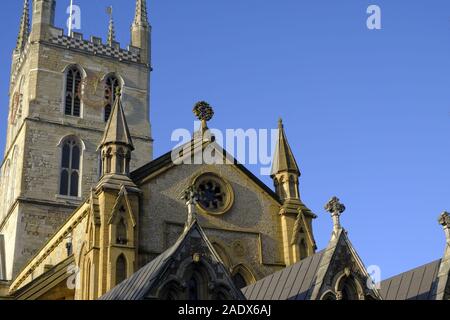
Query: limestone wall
(249,233)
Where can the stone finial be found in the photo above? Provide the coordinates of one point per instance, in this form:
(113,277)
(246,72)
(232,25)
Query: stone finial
(336,208)
(280,123)
(111,31)
(444,220)
(118,92)
(190,197)
(204,112)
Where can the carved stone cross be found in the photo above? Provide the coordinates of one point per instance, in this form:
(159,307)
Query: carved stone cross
(336,208)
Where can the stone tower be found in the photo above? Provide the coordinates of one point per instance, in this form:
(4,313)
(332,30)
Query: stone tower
(62,90)
(296,218)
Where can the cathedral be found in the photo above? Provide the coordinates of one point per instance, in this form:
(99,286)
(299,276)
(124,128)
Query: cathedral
(86,213)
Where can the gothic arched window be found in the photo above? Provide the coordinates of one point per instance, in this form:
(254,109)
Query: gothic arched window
(73,92)
(111,84)
(69,184)
(121,269)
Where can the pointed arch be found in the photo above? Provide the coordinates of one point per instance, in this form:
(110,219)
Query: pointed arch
(71,157)
(348,287)
(73,82)
(242,276)
(303,248)
(121,268)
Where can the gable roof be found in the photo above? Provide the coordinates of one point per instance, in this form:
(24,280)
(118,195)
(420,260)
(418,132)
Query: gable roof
(338,241)
(139,284)
(305,279)
(416,284)
(165,161)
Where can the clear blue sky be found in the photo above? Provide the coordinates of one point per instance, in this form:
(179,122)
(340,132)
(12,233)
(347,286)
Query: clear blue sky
(367,113)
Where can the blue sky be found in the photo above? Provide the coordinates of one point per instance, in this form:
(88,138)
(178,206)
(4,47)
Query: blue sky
(367,113)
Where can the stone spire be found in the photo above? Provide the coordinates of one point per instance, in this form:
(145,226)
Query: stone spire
(285,172)
(336,208)
(116,144)
(140,17)
(141,32)
(111,31)
(117,131)
(284,160)
(24,30)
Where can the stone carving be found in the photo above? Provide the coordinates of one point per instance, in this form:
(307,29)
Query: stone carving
(444,219)
(190,196)
(336,208)
(203,111)
(239,248)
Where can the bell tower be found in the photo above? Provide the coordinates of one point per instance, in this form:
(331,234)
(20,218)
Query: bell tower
(62,93)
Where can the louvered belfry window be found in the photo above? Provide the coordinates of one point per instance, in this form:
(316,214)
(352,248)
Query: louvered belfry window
(73,92)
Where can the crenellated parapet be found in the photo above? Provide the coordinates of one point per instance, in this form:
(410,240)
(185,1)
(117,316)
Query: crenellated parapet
(95,46)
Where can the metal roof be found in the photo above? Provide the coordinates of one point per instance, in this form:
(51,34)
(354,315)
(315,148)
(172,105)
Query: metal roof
(416,284)
(291,283)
